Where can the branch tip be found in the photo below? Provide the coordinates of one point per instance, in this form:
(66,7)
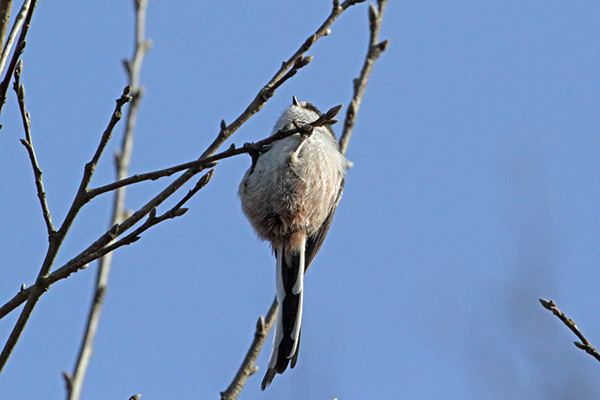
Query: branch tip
(333,111)
(260,325)
(223,125)
(547,304)
(383,45)
(180,211)
(206,178)
(135,396)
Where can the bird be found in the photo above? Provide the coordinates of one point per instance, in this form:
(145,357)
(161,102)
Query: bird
(290,195)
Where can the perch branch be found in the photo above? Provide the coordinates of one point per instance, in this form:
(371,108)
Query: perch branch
(101,247)
(210,161)
(584,345)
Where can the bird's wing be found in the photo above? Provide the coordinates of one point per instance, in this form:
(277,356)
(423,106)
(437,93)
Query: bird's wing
(314,242)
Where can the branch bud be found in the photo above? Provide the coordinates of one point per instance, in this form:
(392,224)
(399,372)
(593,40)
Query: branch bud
(333,111)
(373,13)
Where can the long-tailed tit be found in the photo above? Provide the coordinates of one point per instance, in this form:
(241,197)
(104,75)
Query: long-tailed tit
(289,195)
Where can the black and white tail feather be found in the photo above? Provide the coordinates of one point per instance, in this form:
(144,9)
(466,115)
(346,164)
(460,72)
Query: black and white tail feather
(290,291)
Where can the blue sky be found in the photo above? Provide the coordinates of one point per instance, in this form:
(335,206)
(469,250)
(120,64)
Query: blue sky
(474,191)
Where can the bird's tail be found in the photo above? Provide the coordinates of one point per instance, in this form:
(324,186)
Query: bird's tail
(290,287)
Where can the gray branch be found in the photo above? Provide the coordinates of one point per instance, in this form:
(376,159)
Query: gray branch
(55,240)
(74,382)
(360,83)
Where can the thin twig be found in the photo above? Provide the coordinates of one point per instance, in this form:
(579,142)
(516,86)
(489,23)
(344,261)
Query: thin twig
(13,33)
(74,382)
(100,248)
(263,326)
(17,53)
(375,49)
(584,345)
(28,143)
(57,239)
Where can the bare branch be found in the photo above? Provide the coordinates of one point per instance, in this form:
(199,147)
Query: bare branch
(584,345)
(375,49)
(74,383)
(263,326)
(28,143)
(17,53)
(57,239)
(100,248)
